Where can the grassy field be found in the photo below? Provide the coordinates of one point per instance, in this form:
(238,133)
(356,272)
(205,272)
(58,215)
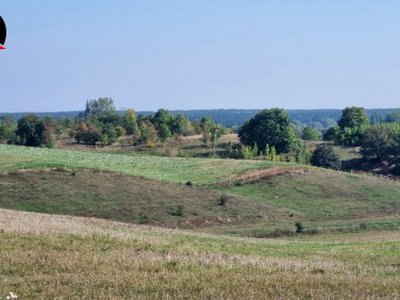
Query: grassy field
(349,248)
(174,169)
(322,199)
(48,257)
(318,198)
(320,194)
(125,198)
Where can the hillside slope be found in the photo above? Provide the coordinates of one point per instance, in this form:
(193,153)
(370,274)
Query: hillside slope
(174,169)
(124,198)
(317,198)
(48,257)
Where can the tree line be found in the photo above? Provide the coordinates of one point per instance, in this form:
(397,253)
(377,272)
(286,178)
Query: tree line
(320,119)
(100,124)
(269,134)
(378,139)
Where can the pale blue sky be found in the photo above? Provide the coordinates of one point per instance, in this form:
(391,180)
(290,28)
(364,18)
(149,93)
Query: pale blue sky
(200,54)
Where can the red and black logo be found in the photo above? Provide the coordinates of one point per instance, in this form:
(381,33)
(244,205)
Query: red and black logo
(3,33)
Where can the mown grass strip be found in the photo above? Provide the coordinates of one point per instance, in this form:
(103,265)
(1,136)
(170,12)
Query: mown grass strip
(179,170)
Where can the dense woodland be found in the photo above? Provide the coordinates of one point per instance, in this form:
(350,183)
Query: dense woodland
(274,134)
(234,118)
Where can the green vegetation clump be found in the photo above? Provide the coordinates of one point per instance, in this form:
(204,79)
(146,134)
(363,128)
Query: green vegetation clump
(224,200)
(268,126)
(325,156)
(299,227)
(310,134)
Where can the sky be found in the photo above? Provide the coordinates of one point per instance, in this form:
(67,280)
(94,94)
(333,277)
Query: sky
(200,54)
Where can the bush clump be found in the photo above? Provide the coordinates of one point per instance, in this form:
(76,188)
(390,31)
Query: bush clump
(326,157)
(224,200)
(180,210)
(299,227)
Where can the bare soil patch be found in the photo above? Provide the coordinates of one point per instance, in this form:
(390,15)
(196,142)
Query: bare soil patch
(266,173)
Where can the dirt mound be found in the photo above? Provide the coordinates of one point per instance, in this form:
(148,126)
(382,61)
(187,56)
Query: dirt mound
(264,173)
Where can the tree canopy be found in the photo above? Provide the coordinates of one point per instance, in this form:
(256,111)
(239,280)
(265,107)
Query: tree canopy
(353,117)
(97,108)
(352,125)
(382,142)
(31,130)
(270,127)
(310,134)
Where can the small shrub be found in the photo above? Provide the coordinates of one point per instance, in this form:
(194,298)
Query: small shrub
(299,227)
(180,211)
(363,226)
(224,200)
(326,157)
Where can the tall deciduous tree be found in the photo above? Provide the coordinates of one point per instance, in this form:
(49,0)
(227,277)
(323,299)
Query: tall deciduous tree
(31,130)
(352,125)
(268,127)
(164,133)
(310,134)
(206,124)
(353,117)
(381,142)
(8,126)
(96,108)
(331,134)
(129,121)
(181,125)
(162,116)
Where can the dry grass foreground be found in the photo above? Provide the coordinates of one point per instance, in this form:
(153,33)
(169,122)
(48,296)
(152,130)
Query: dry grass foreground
(62,257)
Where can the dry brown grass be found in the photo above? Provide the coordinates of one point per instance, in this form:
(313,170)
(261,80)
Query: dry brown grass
(119,197)
(48,257)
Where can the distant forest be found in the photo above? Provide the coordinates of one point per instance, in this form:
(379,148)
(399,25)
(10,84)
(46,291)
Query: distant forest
(316,118)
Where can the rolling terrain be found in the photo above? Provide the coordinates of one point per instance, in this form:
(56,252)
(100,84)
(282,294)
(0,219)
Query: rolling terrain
(258,196)
(102,225)
(50,256)
(173,169)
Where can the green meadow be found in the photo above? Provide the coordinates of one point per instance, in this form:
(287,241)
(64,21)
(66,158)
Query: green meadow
(115,226)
